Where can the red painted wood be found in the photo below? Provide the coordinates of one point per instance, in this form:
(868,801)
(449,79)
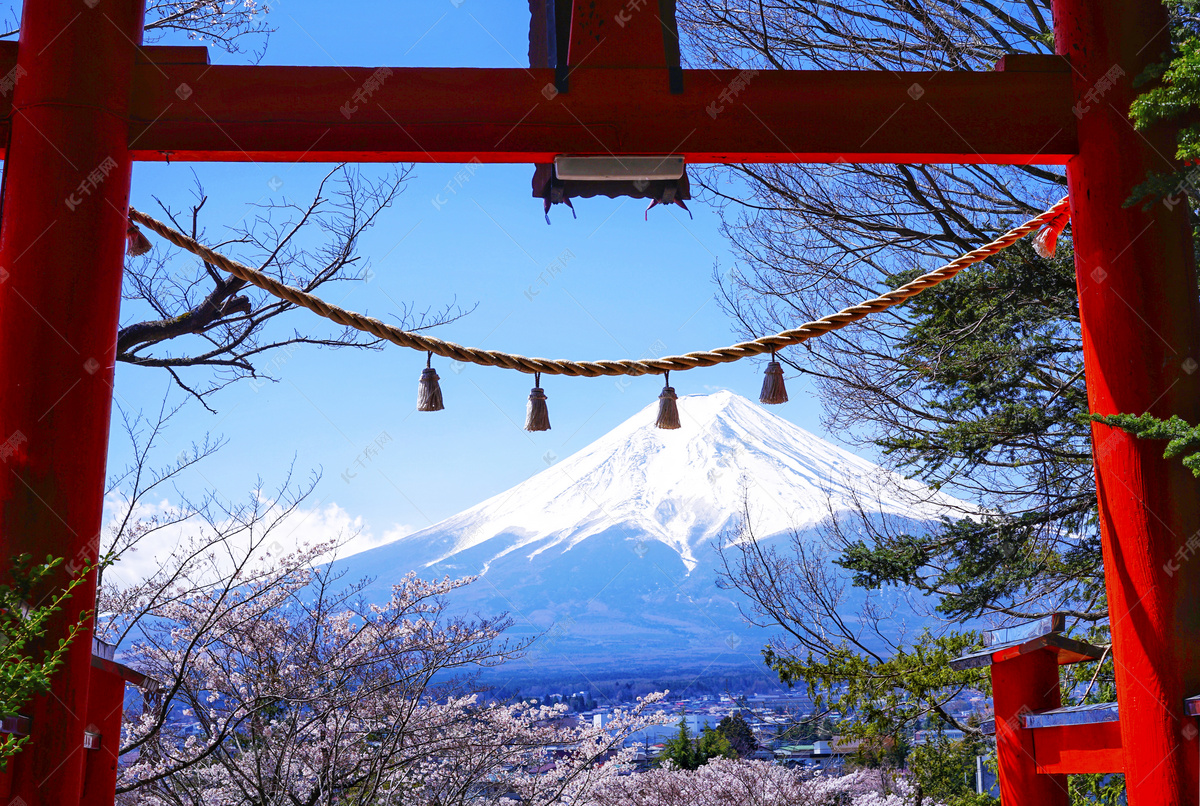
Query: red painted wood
(66,187)
(61,270)
(1021,684)
(1072,749)
(611,33)
(314,114)
(1141,339)
(106,700)
(147,54)
(416,114)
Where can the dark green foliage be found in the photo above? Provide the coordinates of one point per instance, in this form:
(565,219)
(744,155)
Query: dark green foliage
(944,771)
(806,731)
(26,664)
(996,355)
(738,734)
(581,702)
(690,753)
(1183,440)
(994,359)
(712,744)
(1173,94)
(1097,789)
(887,696)
(681,749)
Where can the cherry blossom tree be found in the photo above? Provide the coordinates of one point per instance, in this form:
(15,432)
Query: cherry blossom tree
(279,681)
(292,689)
(755,783)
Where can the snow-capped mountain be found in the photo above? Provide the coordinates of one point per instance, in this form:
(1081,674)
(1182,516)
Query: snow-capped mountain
(611,553)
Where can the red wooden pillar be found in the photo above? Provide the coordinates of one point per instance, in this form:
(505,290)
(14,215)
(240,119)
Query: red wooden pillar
(617,33)
(1020,685)
(1141,337)
(62,232)
(106,699)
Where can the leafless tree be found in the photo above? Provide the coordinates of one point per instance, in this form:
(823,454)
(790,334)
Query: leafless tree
(853,649)
(181,312)
(231,25)
(810,239)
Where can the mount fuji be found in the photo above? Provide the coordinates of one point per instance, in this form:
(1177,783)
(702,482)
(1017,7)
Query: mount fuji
(610,556)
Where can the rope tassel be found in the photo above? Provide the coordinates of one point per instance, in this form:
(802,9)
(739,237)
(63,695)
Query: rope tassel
(773,391)
(668,411)
(537,416)
(429,393)
(137,244)
(1046,240)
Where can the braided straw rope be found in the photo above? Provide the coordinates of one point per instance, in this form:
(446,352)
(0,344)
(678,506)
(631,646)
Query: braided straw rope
(591,369)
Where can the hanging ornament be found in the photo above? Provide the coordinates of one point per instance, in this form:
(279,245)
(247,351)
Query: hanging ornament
(429,394)
(1046,240)
(566,201)
(654,203)
(537,417)
(773,391)
(668,411)
(137,243)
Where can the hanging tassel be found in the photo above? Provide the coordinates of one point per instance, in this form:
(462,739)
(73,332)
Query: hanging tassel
(537,417)
(546,209)
(773,391)
(137,243)
(429,394)
(1046,240)
(668,411)
(656,202)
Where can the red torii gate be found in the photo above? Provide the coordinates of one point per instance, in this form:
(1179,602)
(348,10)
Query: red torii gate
(88,100)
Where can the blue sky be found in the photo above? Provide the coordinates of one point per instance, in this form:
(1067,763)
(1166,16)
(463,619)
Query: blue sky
(632,287)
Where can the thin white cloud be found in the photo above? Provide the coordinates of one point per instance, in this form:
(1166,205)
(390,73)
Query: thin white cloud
(303,526)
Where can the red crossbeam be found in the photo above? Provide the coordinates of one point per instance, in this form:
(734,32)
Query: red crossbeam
(1071,749)
(314,114)
(197,112)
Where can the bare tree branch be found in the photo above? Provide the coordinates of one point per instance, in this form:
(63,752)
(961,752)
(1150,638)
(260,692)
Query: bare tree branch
(201,318)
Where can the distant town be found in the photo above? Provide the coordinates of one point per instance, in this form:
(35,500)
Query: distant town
(787,727)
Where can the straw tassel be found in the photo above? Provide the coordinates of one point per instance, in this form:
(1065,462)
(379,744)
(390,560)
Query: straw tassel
(668,411)
(773,391)
(429,394)
(1046,240)
(137,244)
(537,417)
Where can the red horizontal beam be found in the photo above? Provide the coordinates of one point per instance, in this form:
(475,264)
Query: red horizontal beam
(1071,749)
(323,114)
(190,111)
(164,56)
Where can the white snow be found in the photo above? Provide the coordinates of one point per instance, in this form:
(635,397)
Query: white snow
(684,487)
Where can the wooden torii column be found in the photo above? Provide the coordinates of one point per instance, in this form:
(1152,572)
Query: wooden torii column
(80,100)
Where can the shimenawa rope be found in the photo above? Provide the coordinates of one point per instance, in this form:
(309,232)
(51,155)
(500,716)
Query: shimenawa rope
(1054,219)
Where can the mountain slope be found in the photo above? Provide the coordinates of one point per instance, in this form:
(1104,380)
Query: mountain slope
(612,549)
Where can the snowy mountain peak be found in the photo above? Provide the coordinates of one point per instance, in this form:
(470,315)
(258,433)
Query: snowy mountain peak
(607,557)
(683,488)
